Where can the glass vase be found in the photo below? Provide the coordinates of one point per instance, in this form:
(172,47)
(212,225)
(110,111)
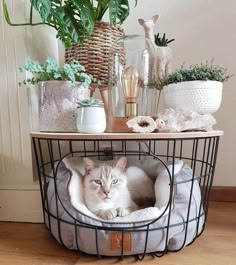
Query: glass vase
(132,87)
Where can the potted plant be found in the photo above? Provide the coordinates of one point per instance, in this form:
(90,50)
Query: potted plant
(75,21)
(90,116)
(197,88)
(163,55)
(59,90)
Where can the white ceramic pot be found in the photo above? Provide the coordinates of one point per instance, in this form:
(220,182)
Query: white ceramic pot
(200,96)
(91,119)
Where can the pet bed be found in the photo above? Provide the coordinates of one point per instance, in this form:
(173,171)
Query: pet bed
(174,222)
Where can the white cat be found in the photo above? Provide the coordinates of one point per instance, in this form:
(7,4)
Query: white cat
(105,189)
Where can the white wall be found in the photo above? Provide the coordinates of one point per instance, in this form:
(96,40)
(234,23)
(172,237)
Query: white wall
(17,186)
(16,119)
(203,30)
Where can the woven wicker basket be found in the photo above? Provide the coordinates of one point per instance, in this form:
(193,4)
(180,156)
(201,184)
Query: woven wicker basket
(94,53)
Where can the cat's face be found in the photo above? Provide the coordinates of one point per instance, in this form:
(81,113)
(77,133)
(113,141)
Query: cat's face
(105,182)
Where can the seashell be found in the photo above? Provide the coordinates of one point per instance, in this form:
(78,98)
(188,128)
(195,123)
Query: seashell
(142,124)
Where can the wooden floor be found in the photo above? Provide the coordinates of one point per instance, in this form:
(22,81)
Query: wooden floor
(31,244)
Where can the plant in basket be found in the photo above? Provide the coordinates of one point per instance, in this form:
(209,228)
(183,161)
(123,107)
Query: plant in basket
(197,88)
(75,21)
(59,90)
(79,26)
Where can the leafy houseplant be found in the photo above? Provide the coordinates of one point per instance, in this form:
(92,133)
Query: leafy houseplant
(198,88)
(59,88)
(204,71)
(73,19)
(79,22)
(50,70)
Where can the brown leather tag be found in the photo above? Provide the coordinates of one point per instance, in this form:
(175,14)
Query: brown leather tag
(115,239)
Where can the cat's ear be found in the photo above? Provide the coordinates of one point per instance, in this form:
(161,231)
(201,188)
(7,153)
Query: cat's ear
(121,163)
(88,164)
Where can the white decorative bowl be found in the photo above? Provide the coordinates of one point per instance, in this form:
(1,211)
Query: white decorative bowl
(200,96)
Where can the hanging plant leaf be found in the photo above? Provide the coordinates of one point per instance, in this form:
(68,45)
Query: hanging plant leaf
(118,11)
(43,7)
(73,19)
(86,14)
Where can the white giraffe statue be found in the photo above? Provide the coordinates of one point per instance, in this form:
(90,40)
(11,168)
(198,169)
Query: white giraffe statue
(160,57)
(148,26)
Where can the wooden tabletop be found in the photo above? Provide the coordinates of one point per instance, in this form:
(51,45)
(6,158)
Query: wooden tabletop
(125,136)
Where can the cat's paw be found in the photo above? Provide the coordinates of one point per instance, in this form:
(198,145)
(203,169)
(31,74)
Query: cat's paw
(122,211)
(108,214)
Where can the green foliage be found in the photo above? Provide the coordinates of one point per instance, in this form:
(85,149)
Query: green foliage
(50,70)
(72,19)
(162,41)
(204,71)
(90,102)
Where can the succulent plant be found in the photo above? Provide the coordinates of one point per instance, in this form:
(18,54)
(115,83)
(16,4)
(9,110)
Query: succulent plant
(162,41)
(203,71)
(90,102)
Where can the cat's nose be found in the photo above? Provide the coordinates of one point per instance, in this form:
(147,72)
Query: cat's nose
(106,192)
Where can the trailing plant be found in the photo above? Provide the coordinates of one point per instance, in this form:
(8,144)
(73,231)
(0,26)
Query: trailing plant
(73,19)
(90,102)
(204,71)
(162,41)
(50,70)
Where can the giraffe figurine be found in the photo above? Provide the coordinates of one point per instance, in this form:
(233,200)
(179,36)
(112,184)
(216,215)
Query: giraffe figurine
(160,57)
(148,26)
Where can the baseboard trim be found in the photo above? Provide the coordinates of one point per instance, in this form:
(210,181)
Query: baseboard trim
(25,205)
(223,194)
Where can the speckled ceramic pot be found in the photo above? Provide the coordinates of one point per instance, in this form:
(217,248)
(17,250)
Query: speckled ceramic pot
(57,103)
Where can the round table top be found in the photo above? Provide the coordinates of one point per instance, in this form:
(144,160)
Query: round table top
(125,136)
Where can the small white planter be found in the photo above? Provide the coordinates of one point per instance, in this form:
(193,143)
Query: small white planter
(91,119)
(200,96)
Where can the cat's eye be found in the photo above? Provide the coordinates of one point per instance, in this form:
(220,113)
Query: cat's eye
(114,181)
(98,181)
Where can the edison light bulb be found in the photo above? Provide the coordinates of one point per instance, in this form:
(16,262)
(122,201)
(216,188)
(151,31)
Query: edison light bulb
(131,86)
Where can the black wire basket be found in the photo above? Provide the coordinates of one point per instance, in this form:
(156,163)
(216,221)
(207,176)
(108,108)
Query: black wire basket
(150,237)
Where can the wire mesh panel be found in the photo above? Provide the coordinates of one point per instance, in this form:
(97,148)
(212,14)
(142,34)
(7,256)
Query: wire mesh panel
(171,231)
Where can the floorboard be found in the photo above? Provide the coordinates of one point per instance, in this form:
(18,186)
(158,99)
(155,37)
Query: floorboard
(31,244)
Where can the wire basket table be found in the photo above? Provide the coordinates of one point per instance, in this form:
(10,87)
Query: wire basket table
(197,149)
